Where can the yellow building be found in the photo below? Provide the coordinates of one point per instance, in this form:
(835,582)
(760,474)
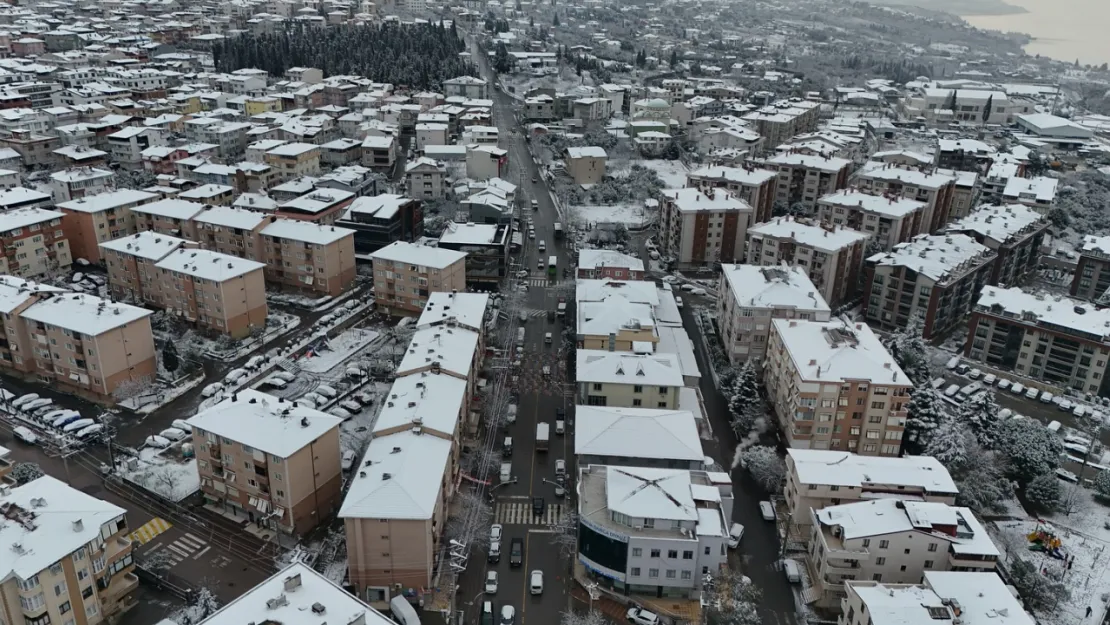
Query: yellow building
(262,104)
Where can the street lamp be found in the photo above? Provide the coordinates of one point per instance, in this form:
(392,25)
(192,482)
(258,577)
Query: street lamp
(594,593)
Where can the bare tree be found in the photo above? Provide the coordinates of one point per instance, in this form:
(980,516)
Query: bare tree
(589,617)
(733,600)
(565,536)
(203,605)
(129,389)
(471,524)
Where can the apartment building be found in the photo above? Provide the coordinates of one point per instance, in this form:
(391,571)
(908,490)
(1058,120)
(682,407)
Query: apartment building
(891,540)
(889,220)
(405,274)
(609,264)
(585,165)
(819,478)
(232,231)
(626,380)
(34,242)
(12,198)
(942,598)
(616,316)
(210,194)
(831,255)
(1038,192)
(71,556)
(322,205)
(936,279)
(94,219)
(81,344)
(1014,233)
(749,297)
(1092,273)
(803,178)
(269,461)
(308,257)
(937,189)
(637,437)
(383,219)
(71,184)
(449,349)
(218,292)
(131,261)
(424,179)
(293,160)
(834,386)
(171,216)
(1059,340)
(754,186)
(938,104)
(701,227)
(487,251)
(652,532)
(783,119)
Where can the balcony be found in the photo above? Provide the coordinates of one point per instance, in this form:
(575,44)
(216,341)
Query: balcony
(116,547)
(119,586)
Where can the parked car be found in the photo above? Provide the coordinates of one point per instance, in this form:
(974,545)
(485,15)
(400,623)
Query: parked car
(172,434)
(952,363)
(25,435)
(18,402)
(962,369)
(347,461)
(255,362)
(1046,397)
(154,441)
(735,533)
(341,413)
(494,553)
(792,571)
(326,391)
(989,379)
(212,389)
(1017,388)
(182,425)
(491,583)
(235,375)
(35,404)
(508,615)
(535,583)
(767,511)
(975,374)
(678,302)
(1003,384)
(495,532)
(275,382)
(351,405)
(1032,393)
(638,616)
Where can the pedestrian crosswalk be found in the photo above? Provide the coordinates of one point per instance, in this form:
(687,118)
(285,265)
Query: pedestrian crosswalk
(185,547)
(150,530)
(512,513)
(539,282)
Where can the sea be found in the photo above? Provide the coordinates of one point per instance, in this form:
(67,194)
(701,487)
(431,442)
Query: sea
(1065,30)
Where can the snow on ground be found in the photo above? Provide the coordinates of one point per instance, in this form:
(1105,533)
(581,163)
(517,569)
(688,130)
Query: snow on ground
(632,214)
(672,173)
(162,394)
(337,350)
(172,478)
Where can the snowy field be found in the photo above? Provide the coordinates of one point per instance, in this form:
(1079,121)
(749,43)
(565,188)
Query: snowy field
(632,214)
(672,173)
(337,350)
(169,477)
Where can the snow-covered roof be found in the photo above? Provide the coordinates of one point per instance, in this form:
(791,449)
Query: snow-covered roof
(305,231)
(826,238)
(87,314)
(598,366)
(47,520)
(105,201)
(889,206)
(231,217)
(208,265)
(602,289)
(452,348)
(935,256)
(383,206)
(648,493)
(903,604)
(78,174)
(292,149)
(23,217)
(425,399)
(891,173)
(274,425)
(1050,310)
(146,244)
(400,477)
(879,517)
(466,309)
(966,145)
(773,287)
(612,315)
(845,469)
(597,259)
(419,255)
(303,591)
(833,351)
(829,164)
(171,209)
(586,152)
(998,223)
(674,340)
(738,175)
(14,292)
(469,233)
(984,598)
(317,200)
(695,200)
(1041,188)
(636,433)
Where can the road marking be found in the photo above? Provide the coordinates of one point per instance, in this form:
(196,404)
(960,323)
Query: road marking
(150,530)
(521,514)
(202,552)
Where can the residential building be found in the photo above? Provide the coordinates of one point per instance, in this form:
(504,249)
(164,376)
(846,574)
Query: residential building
(834,386)
(289,595)
(34,242)
(486,247)
(938,104)
(210,194)
(269,461)
(1014,233)
(324,206)
(652,532)
(71,184)
(12,198)
(484,162)
(232,231)
(819,478)
(94,219)
(1051,338)
(424,179)
(379,153)
(891,540)
(616,316)
(405,274)
(451,350)
(72,556)
(754,186)
(126,146)
(170,216)
(803,178)
(131,260)
(467,87)
(889,219)
(703,227)
(293,160)
(942,598)
(779,121)
(609,264)
(934,279)
(831,255)
(1038,193)
(937,189)
(382,219)
(637,437)
(585,165)
(749,297)
(218,292)
(1092,274)
(627,380)
(308,257)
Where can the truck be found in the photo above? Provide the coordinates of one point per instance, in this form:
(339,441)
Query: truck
(543,436)
(562,309)
(553,267)
(558,231)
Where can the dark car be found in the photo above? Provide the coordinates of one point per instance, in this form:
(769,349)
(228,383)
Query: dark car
(538,506)
(560,414)
(516,552)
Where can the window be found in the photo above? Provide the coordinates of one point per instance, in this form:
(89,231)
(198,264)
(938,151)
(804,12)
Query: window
(672,553)
(687,574)
(60,589)
(883,544)
(903,568)
(65,607)
(635,571)
(655,553)
(878,577)
(30,583)
(687,555)
(597,387)
(637,552)
(653,573)
(866,542)
(638,388)
(91,609)
(928,564)
(82,574)
(86,592)
(32,603)
(56,568)
(880,561)
(671,573)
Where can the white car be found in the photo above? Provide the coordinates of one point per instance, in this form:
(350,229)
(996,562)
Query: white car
(212,389)
(24,399)
(687,287)
(172,434)
(642,617)
(535,583)
(255,362)
(1047,397)
(735,533)
(975,374)
(1003,384)
(491,583)
(153,441)
(1032,393)
(1017,388)
(341,413)
(235,375)
(326,391)
(35,404)
(495,532)
(698,291)
(767,510)
(678,302)
(314,398)
(989,379)
(348,460)
(275,382)
(670,279)
(182,425)
(351,406)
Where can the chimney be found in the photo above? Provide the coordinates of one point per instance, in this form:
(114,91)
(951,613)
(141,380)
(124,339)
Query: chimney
(292,582)
(78,525)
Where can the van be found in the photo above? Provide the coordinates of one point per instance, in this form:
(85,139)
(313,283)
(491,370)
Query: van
(506,471)
(535,205)
(793,573)
(487,613)
(25,435)
(520,337)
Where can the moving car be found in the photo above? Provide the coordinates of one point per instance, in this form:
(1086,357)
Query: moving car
(516,552)
(767,510)
(495,532)
(535,584)
(491,583)
(508,615)
(642,617)
(538,506)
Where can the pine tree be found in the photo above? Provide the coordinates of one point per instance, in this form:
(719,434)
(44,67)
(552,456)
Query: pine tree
(980,415)
(987,108)
(674,59)
(555,21)
(925,414)
(169,357)
(952,101)
(949,444)
(744,402)
(908,349)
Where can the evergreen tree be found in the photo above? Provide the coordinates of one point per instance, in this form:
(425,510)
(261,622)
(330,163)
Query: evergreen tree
(980,415)
(1027,450)
(744,401)
(555,21)
(501,61)
(908,349)
(925,414)
(1044,492)
(987,108)
(674,58)
(949,444)
(952,101)
(169,357)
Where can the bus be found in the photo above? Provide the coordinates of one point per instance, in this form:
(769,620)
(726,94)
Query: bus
(552,267)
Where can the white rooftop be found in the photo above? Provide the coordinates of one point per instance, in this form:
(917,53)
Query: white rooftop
(694,200)
(845,469)
(467,309)
(400,477)
(773,287)
(23,217)
(829,164)
(317,200)
(452,348)
(14,292)
(998,223)
(383,206)
(171,209)
(276,426)
(833,351)
(612,315)
(1054,310)
(734,174)
(643,493)
(146,244)
(305,231)
(637,433)
(934,256)
(826,238)
(468,233)
(87,314)
(105,201)
(429,400)
(879,517)
(889,206)
(589,151)
(598,259)
(41,525)
(206,191)
(208,265)
(1040,188)
(983,597)
(597,366)
(892,173)
(602,289)
(419,255)
(231,217)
